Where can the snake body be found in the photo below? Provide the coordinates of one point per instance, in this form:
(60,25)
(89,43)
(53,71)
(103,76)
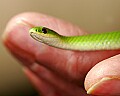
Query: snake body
(90,42)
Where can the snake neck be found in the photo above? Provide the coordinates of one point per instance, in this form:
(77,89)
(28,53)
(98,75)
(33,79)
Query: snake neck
(60,42)
(55,42)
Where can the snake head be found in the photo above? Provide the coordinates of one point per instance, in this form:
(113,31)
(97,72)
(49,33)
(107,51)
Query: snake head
(43,34)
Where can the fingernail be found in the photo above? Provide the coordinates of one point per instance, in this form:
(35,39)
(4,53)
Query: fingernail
(106,86)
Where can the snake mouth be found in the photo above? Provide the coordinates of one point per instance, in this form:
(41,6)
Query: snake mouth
(36,36)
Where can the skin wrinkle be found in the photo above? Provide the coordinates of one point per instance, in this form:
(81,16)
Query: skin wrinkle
(54,85)
(84,59)
(72,66)
(43,74)
(64,64)
(41,85)
(54,79)
(48,67)
(74,72)
(80,62)
(70,62)
(54,71)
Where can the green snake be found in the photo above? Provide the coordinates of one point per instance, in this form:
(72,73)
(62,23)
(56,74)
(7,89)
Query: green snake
(90,42)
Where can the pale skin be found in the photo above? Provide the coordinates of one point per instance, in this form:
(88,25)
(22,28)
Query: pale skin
(57,72)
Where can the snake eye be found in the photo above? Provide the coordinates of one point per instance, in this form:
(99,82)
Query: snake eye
(44,30)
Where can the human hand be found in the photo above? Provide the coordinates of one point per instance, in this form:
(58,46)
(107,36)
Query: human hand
(57,72)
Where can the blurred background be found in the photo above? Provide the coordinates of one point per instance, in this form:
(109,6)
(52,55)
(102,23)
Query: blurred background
(91,15)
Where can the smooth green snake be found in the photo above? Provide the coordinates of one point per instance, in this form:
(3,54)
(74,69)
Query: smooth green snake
(90,42)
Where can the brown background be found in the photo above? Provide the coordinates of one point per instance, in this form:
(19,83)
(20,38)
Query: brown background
(91,15)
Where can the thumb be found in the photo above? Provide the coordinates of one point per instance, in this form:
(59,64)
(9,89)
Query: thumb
(104,78)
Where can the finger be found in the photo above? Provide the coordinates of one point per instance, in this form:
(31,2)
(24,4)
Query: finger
(59,83)
(104,78)
(43,88)
(71,65)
